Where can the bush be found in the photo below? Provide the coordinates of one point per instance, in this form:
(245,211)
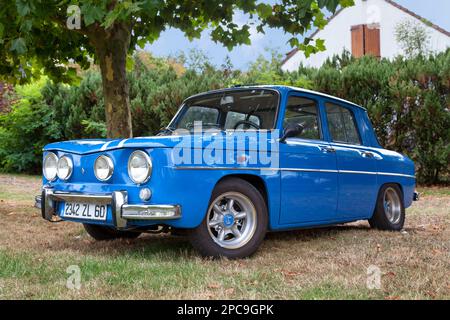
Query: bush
(25,130)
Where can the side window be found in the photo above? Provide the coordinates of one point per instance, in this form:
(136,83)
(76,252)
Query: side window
(342,124)
(305,112)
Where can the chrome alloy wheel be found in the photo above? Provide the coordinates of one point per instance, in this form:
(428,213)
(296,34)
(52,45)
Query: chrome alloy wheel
(392,205)
(231,220)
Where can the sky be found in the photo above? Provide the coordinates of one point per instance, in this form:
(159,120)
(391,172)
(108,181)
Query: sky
(172,41)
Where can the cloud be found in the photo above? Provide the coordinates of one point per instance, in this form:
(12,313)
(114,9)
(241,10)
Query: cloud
(257,39)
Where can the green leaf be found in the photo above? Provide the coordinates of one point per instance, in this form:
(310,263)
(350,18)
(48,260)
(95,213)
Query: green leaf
(320,45)
(2,29)
(331,5)
(22,8)
(92,13)
(19,45)
(26,25)
(320,21)
(294,42)
(346,3)
(264,10)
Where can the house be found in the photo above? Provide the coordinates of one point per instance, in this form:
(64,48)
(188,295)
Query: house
(368,27)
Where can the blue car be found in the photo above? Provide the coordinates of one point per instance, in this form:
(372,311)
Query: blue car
(232,165)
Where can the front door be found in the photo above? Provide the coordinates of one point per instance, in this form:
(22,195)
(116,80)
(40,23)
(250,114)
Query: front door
(308,167)
(356,164)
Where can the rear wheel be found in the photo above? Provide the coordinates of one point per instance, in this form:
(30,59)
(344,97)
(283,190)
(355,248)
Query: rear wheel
(389,212)
(102,233)
(235,223)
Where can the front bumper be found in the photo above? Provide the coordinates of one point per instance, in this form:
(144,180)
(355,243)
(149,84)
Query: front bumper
(122,212)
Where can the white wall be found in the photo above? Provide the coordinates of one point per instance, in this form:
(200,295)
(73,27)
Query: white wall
(337,33)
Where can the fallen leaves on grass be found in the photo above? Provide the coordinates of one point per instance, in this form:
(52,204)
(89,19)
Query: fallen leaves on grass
(229,291)
(290,274)
(214,285)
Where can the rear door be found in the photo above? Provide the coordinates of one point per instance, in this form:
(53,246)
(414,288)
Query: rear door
(308,166)
(356,163)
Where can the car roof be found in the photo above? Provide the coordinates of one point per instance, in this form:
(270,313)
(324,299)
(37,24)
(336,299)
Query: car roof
(280,88)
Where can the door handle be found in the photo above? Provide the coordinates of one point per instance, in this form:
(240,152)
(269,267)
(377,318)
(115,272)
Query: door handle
(367,154)
(327,149)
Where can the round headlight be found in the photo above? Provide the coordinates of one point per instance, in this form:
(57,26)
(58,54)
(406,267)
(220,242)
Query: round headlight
(139,167)
(49,166)
(103,168)
(65,167)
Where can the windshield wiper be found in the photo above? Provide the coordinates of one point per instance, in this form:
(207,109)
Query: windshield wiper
(190,126)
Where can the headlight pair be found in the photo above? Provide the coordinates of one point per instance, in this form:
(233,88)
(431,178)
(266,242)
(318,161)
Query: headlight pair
(54,167)
(139,167)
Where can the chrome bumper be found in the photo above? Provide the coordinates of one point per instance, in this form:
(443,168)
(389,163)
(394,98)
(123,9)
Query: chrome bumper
(118,200)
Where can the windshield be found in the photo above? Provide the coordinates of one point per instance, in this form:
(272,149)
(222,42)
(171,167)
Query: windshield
(242,109)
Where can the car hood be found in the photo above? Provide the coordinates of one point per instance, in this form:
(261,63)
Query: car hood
(253,141)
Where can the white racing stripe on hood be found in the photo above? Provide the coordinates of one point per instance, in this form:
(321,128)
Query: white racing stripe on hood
(122,143)
(103,148)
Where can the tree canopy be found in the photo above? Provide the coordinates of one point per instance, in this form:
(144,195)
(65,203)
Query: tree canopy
(42,36)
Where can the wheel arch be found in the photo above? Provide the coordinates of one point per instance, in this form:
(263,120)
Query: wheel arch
(254,180)
(396,183)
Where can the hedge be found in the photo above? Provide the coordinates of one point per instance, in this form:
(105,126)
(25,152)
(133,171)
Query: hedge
(407,100)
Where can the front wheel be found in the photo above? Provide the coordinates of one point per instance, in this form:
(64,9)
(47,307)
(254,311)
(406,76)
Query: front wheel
(235,223)
(389,212)
(102,233)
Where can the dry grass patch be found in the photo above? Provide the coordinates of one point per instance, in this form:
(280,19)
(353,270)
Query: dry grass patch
(326,263)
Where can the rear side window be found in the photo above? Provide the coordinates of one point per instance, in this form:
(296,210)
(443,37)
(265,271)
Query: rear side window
(305,112)
(342,124)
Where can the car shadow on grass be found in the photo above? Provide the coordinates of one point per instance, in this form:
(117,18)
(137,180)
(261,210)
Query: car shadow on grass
(170,247)
(309,234)
(149,246)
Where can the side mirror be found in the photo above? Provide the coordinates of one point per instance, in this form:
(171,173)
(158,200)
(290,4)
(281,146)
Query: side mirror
(292,130)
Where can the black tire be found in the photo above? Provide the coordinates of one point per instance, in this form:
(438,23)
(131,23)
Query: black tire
(380,218)
(201,238)
(102,233)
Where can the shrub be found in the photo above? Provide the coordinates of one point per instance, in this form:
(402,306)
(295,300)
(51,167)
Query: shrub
(25,130)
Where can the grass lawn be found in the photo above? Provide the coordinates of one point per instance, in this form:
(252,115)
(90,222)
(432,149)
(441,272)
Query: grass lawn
(327,263)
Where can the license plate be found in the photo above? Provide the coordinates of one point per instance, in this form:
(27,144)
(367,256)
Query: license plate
(87,211)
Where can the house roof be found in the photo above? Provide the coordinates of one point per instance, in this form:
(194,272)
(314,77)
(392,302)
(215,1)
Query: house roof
(415,15)
(291,53)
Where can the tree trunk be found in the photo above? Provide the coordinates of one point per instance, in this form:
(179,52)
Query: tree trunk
(111,47)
